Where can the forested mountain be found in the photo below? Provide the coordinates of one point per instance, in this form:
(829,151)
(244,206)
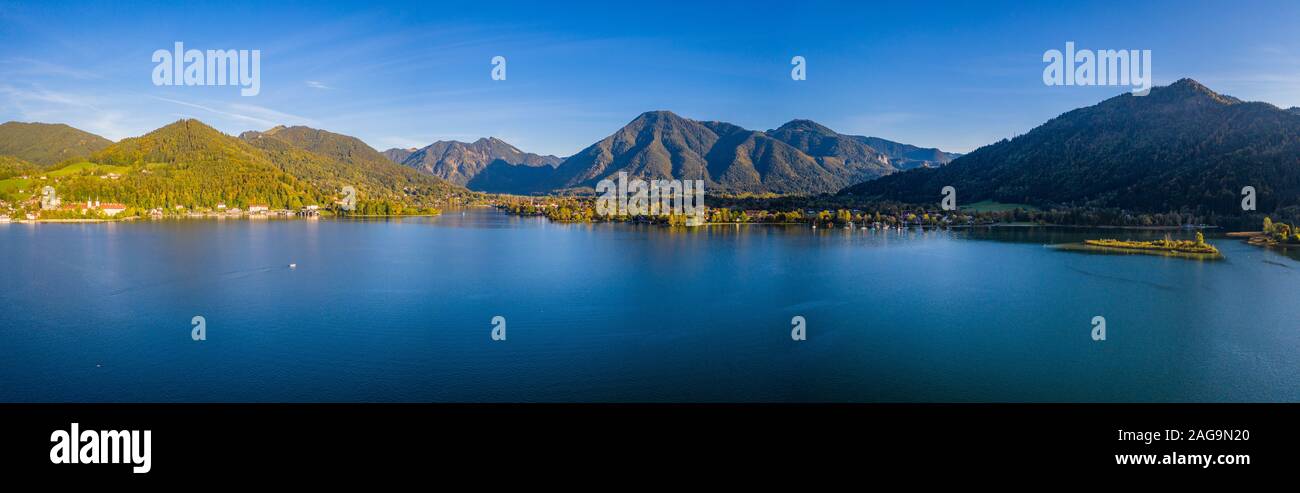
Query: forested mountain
(46,144)
(1183,147)
(800,157)
(331,161)
(834,151)
(906,156)
(190,164)
(459,162)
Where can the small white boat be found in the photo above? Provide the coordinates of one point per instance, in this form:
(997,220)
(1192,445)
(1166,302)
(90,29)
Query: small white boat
(293,266)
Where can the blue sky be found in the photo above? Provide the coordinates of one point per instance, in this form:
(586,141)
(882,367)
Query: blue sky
(956,75)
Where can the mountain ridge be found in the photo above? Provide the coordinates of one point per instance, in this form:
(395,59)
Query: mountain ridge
(46,144)
(799,157)
(189,164)
(459,162)
(1181,147)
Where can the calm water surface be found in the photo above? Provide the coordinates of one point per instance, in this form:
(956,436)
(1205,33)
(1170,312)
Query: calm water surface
(401,310)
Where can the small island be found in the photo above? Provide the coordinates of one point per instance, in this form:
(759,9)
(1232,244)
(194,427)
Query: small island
(1196,249)
(1275,235)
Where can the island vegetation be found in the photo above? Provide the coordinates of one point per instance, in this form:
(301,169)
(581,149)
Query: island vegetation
(1273,234)
(1192,249)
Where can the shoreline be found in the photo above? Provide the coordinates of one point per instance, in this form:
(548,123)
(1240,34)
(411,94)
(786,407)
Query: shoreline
(1262,240)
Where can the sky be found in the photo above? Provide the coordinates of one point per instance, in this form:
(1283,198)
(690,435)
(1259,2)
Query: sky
(953,75)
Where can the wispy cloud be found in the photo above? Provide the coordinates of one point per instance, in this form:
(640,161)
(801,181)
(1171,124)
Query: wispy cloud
(315,84)
(263,117)
(84,111)
(40,68)
(264,113)
(19,97)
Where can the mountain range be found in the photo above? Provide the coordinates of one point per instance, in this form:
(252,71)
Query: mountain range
(302,164)
(801,157)
(461,162)
(1183,147)
(188,163)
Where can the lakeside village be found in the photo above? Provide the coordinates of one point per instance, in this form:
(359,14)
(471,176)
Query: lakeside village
(94,210)
(48,206)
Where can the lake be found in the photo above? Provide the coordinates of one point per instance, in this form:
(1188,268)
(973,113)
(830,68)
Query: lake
(402,310)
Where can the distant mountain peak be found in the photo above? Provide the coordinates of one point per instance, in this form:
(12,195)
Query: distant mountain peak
(658,117)
(1188,82)
(802,125)
(1187,88)
(659,114)
(186,125)
(459,162)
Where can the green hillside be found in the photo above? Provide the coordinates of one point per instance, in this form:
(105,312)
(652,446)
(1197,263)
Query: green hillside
(11,166)
(46,144)
(1181,148)
(330,161)
(189,164)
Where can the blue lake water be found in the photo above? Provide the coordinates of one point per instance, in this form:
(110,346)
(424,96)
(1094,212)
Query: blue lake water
(401,310)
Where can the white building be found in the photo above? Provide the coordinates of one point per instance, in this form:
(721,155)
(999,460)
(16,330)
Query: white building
(111,210)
